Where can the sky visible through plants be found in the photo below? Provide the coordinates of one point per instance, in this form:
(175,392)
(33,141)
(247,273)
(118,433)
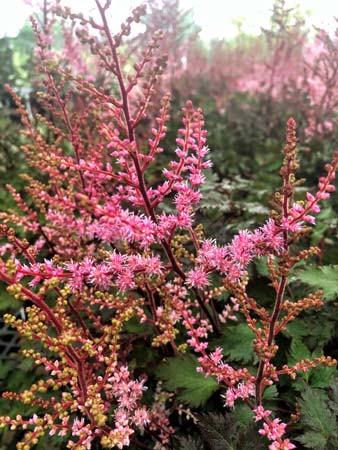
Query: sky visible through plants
(217,18)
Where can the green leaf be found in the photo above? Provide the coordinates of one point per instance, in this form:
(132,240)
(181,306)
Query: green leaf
(270,393)
(316,330)
(261,266)
(297,329)
(325,220)
(191,444)
(333,402)
(318,421)
(134,325)
(230,431)
(26,364)
(241,416)
(214,428)
(255,208)
(311,439)
(324,278)
(180,373)
(298,351)
(5,368)
(7,302)
(237,343)
(321,376)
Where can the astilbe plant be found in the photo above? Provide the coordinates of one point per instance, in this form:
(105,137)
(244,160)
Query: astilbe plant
(103,246)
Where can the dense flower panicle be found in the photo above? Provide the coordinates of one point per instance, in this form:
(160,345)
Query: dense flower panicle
(273,429)
(197,278)
(102,276)
(243,390)
(233,259)
(115,223)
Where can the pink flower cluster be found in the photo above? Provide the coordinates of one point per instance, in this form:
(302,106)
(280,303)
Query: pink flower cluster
(273,430)
(302,211)
(243,391)
(120,271)
(232,259)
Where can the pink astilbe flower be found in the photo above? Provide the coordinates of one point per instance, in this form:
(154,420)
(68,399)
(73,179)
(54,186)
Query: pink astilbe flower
(197,278)
(273,430)
(243,391)
(229,311)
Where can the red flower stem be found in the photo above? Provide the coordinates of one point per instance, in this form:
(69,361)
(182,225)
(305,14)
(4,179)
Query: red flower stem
(68,124)
(309,207)
(142,187)
(282,283)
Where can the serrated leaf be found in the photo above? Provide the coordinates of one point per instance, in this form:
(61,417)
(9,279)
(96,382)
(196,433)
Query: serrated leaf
(5,368)
(242,416)
(261,266)
(232,431)
(255,208)
(333,402)
(313,329)
(321,376)
(311,439)
(7,302)
(180,373)
(317,419)
(237,343)
(215,200)
(134,325)
(324,278)
(191,444)
(325,220)
(26,365)
(297,329)
(270,393)
(298,351)
(214,429)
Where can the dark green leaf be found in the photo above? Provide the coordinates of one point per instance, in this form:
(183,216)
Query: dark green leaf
(261,266)
(237,343)
(324,278)
(242,415)
(5,368)
(297,329)
(312,439)
(321,376)
(270,393)
(180,374)
(191,444)
(298,351)
(320,424)
(214,429)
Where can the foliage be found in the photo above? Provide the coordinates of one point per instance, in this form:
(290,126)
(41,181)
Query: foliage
(324,278)
(218,432)
(319,418)
(180,373)
(237,344)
